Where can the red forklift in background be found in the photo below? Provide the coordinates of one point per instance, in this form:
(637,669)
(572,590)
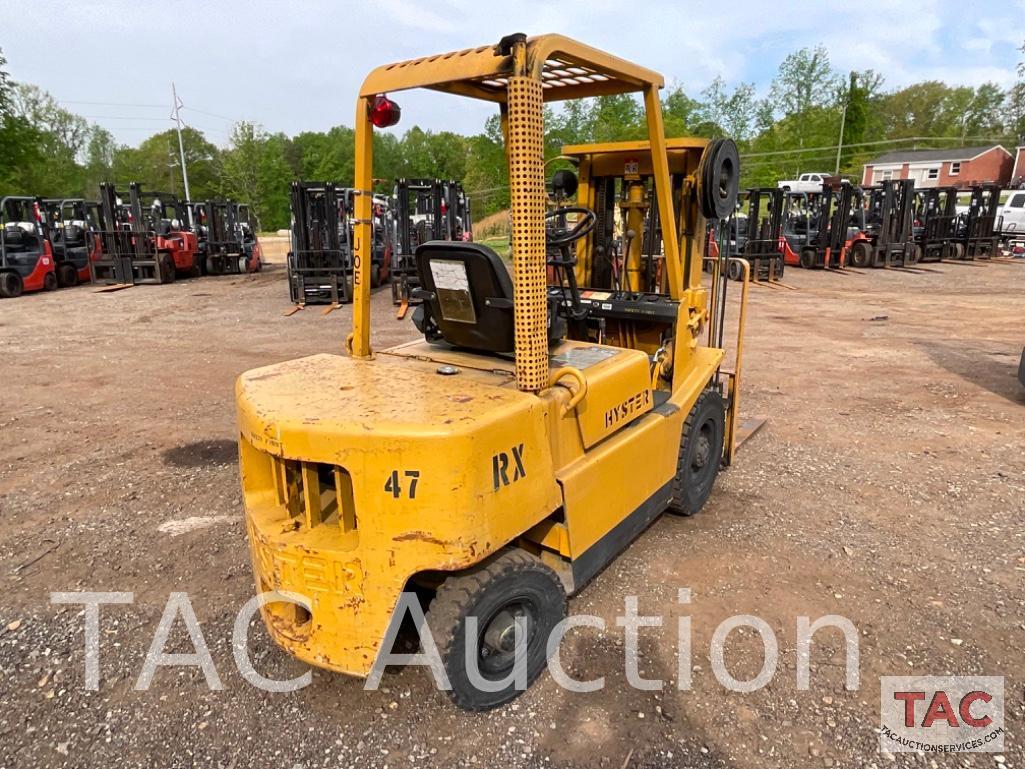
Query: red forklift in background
(26,254)
(73,225)
(820,227)
(146,240)
(888,235)
(247,226)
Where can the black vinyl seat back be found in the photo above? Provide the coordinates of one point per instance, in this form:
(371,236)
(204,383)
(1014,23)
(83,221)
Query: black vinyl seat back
(467,291)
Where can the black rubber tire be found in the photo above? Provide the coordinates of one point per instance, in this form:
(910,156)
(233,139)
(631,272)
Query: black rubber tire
(808,256)
(375,277)
(780,267)
(67,275)
(701,446)
(50,281)
(168,273)
(912,254)
(719,179)
(11,285)
(509,577)
(209,266)
(959,251)
(735,270)
(861,254)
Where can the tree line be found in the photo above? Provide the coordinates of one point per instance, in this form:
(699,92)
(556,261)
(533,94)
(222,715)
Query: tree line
(797,125)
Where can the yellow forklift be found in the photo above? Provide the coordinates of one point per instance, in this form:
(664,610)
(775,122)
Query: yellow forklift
(544,422)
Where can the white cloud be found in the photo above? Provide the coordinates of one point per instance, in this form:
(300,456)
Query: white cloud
(296,66)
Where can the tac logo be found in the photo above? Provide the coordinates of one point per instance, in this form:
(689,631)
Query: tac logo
(941,714)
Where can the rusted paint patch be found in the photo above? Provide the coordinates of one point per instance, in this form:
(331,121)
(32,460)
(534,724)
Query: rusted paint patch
(421,536)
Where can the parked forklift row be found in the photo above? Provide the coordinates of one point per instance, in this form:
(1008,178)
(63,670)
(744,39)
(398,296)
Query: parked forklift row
(143,237)
(321,259)
(842,225)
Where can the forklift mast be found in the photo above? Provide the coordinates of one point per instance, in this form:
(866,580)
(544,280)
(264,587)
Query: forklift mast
(425,209)
(320,261)
(977,228)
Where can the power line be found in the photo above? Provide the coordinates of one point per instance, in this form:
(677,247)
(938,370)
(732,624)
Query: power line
(830,148)
(114,104)
(211,114)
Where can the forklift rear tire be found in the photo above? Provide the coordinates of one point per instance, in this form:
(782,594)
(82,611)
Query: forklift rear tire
(700,456)
(50,281)
(861,254)
(808,258)
(510,586)
(67,276)
(11,285)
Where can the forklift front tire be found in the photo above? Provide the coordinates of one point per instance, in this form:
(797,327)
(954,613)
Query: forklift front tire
(67,275)
(167,270)
(50,281)
(861,254)
(11,285)
(807,258)
(700,455)
(511,588)
(913,254)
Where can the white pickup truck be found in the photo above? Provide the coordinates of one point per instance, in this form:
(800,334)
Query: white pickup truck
(1012,216)
(804,183)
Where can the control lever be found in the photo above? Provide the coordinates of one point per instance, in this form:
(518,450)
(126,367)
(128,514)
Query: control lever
(630,235)
(566,262)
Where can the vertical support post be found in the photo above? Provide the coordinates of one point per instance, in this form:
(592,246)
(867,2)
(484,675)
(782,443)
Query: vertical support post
(663,190)
(525,149)
(358,342)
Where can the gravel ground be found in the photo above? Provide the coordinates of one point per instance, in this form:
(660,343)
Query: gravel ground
(887,487)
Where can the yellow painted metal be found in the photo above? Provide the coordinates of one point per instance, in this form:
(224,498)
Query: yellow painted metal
(359,342)
(483,72)
(525,151)
(351,492)
(454,433)
(619,391)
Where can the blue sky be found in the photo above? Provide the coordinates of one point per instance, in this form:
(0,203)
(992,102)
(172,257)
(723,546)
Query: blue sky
(294,66)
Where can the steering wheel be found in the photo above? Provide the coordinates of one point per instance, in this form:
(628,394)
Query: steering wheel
(563,237)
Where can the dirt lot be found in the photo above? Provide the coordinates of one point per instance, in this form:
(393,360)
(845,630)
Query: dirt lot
(887,487)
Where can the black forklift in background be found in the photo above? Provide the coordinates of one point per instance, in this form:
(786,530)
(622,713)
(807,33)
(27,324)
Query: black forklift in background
(73,225)
(756,236)
(820,227)
(224,252)
(320,260)
(935,219)
(888,238)
(424,209)
(976,233)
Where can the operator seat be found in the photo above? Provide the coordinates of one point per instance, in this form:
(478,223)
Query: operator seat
(467,294)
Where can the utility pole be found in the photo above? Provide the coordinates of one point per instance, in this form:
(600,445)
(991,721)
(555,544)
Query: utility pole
(839,144)
(176,116)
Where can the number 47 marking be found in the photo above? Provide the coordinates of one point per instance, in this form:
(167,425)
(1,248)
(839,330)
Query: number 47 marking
(394,483)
